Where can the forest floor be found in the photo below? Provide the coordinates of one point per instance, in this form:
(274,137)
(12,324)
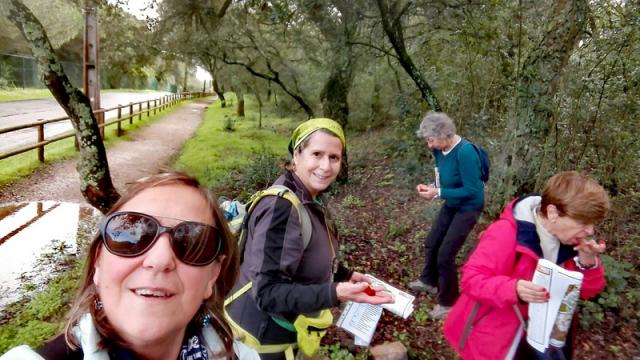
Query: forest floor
(383,224)
(381,220)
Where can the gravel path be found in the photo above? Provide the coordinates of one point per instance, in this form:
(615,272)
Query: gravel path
(150,149)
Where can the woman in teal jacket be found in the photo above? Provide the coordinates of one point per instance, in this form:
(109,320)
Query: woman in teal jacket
(458,182)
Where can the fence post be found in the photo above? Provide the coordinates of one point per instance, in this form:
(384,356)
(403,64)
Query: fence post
(140,111)
(148,106)
(100,119)
(40,139)
(119,132)
(130,113)
(155,106)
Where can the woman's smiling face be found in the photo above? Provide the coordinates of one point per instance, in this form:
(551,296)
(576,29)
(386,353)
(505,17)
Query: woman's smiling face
(152,297)
(318,164)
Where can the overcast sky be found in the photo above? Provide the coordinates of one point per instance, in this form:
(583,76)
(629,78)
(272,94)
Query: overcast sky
(139,8)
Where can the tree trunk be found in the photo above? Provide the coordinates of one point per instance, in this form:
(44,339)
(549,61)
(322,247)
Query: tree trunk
(335,93)
(335,106)
(392,24)
(220,93)
(527,131)
(339,33)
(240,107)
(95,180)
(268,91)
(186,75)
(256,92)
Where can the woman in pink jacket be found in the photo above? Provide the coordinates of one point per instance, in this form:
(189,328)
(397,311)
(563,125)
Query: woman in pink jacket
(485,322)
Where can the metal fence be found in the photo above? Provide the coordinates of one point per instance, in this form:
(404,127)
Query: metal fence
(22,72)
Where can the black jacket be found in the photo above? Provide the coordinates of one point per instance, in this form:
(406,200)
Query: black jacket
(287,278)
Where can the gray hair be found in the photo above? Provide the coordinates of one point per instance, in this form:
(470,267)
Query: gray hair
(436,125)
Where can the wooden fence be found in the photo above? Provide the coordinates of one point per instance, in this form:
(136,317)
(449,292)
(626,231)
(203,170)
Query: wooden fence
(159,104)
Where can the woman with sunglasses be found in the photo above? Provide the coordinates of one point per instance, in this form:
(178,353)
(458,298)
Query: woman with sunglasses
(280,277)
(496,280)
(156,276)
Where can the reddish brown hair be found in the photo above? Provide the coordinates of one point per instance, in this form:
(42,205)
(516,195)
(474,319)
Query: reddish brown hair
(577,196)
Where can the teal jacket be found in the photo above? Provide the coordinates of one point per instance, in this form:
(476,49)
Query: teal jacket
(460,182)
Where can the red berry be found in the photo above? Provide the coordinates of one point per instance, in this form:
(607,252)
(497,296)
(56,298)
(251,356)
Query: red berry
(369,291)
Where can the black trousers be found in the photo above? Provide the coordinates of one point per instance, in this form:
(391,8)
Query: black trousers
(448,233)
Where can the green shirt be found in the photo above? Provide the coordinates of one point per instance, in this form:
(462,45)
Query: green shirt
(460,184)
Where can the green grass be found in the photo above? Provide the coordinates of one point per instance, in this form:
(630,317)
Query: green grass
(19,166)
(24,94)
(42,317)
(16,94)
(214,152)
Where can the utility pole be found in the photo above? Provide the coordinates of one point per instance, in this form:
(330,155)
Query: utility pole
(91,63)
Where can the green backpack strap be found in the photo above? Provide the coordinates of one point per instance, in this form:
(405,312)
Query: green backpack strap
(283,192)
(286,193)
(303,214)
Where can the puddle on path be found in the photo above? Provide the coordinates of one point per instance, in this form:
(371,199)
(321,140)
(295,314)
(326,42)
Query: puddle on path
(37,239)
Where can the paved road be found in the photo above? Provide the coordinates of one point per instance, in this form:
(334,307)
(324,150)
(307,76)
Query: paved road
(27,111)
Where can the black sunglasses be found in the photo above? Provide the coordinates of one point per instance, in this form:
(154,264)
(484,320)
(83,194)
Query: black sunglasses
(130,234)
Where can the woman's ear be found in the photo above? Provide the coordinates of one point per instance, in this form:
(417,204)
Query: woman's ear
(96,267)
(215,272)
(552,213)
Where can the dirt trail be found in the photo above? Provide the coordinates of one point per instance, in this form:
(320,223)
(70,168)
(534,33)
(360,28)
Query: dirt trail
(150,148)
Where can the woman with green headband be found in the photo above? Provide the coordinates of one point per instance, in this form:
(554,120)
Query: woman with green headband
(281,277)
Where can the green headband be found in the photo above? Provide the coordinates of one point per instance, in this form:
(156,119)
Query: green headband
(310,126)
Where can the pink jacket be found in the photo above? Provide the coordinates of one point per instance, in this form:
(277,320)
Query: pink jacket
(485,321)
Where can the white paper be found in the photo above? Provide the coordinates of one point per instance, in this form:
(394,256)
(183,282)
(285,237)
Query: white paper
(360,320)
(403,305)
(542,316)
(361,342)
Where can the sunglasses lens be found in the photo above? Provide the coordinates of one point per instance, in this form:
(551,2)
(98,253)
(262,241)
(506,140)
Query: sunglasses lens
(129,234)
(195,243)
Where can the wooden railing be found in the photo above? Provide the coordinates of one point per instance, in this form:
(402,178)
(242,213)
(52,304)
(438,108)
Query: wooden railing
(159,104)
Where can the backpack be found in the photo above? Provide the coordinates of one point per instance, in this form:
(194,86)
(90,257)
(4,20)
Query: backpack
(237,214)
(485,162)
(309,329)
